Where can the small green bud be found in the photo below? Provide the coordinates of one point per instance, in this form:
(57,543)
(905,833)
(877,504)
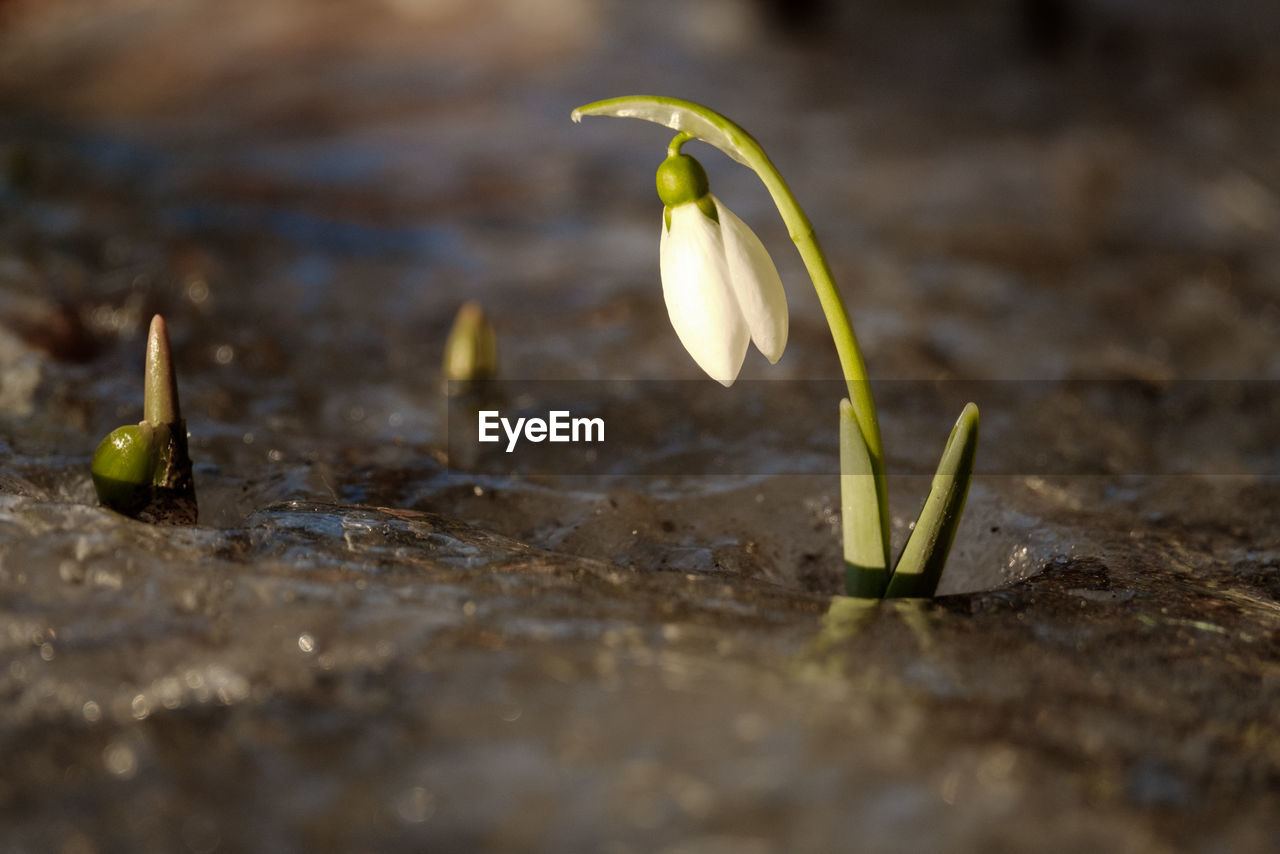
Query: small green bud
(681,179)
(471,350)
(124,468)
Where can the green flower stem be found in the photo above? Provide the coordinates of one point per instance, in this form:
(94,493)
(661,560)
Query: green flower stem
(802,234)
(673,148)
(694,120)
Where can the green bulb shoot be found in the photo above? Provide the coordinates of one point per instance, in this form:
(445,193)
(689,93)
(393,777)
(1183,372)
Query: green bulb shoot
(471,350)
(143,470)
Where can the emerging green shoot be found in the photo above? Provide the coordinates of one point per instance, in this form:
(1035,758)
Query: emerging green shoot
(471,350)
(144,470)
(719,286)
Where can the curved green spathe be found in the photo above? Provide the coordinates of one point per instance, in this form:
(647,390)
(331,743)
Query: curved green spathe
(684,116)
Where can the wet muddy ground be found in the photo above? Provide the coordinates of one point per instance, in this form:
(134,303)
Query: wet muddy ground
(1066,211)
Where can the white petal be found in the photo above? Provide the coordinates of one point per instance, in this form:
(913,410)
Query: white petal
(700,300)
(756,284)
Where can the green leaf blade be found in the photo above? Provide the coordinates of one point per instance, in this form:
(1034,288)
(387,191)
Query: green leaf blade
(866,551)
(919,568)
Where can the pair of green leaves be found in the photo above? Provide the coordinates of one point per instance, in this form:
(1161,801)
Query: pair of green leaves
(866,543)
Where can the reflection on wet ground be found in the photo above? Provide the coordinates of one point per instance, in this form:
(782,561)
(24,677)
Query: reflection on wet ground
(366,646)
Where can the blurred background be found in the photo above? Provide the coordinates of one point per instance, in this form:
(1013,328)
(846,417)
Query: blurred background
(1009,188)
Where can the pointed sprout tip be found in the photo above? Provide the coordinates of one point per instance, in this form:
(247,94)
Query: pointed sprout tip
(160,386)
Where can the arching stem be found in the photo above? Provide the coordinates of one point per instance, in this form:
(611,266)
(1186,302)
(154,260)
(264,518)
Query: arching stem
(862,456)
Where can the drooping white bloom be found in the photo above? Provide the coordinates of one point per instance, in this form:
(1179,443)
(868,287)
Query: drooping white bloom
(721,289)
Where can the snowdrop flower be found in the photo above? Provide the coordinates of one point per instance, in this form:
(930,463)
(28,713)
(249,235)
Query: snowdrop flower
(722,290)
(720,285)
